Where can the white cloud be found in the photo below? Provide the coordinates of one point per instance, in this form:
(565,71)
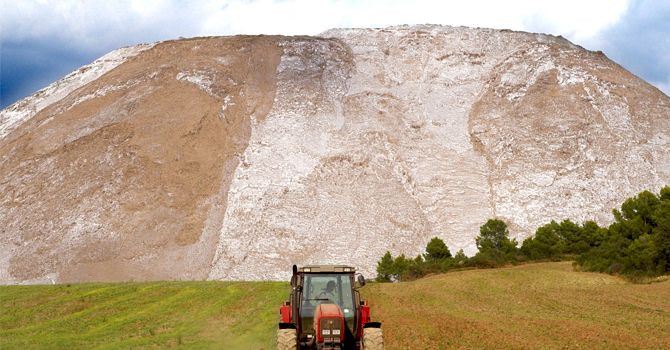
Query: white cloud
(95,27)
(577,19)
(93,22)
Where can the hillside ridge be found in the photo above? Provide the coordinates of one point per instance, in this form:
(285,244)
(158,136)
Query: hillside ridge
(234,157)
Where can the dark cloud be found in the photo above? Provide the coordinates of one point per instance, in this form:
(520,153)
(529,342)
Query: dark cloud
(42,43)
(30,66)
(640,41)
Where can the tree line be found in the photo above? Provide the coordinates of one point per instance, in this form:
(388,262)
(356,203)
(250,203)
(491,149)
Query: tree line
(637,243)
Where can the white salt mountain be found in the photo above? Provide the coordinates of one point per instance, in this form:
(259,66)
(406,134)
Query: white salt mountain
(235,157)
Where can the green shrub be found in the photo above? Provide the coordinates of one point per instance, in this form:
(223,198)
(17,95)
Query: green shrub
(556,241)
(493,244)
(636,244)
(437,259)
(385,268)
(436,250)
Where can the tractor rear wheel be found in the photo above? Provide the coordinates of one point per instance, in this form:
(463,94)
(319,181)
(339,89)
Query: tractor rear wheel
(372,339)
(287,339)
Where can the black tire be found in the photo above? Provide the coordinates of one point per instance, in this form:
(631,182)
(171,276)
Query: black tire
(287,339)
(372,339)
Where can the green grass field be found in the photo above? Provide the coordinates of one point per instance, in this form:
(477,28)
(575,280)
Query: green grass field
(198,315)
(545,305)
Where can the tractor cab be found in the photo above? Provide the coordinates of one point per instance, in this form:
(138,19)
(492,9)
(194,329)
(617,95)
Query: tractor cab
(327,288)
(325,310)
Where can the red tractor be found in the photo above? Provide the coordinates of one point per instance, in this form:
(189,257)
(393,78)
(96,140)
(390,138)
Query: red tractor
(325,311)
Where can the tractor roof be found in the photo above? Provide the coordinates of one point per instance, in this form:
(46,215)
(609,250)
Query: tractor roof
(327,269)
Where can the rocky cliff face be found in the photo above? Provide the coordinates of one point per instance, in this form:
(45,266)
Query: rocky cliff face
(235,157)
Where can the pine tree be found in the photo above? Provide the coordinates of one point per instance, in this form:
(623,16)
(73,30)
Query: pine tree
(385,268)
(493,242)
(436,250)
(661,236)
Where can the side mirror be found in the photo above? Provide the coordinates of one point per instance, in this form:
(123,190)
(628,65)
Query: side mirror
(361,280)
(293,276)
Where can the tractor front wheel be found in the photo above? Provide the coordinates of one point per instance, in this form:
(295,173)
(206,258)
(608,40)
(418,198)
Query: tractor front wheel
(372,339)
(287,339)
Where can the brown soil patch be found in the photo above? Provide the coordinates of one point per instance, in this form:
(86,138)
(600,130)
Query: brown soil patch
(119,186)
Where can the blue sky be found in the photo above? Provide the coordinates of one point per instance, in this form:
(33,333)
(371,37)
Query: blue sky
(43,40)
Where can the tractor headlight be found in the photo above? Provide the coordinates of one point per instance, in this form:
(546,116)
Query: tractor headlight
(326,331)
(336,332)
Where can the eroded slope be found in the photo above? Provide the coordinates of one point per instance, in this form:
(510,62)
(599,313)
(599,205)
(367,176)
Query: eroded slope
(233,158)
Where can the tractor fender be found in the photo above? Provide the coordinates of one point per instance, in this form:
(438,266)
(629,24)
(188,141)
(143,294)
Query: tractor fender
(286,313)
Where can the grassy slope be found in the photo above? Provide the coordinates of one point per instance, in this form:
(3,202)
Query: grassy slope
(531,306)
(199,315)
(545,305)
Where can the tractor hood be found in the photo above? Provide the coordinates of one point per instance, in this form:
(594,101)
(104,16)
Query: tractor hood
(329,323)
